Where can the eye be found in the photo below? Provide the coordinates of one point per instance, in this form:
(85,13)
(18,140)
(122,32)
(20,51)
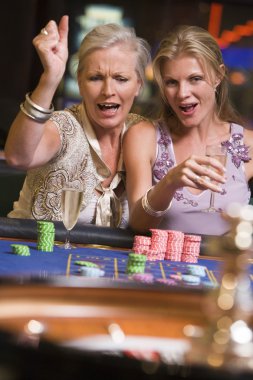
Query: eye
(121,79)
(196,79)
(170,82)
(95,77)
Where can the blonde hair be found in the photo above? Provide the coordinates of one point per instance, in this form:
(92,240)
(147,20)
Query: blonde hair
(107,35)
(198,42)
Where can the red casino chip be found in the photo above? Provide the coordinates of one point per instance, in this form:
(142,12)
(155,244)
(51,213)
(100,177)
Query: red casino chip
(193,259)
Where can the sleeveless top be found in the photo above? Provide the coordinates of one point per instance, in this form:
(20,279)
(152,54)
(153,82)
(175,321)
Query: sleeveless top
(186,213)
(79,165)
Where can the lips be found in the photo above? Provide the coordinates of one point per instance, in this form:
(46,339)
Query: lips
(188,107)
(108,106)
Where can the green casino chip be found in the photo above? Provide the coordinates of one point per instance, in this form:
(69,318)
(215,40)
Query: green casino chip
(86,264)
(20,249)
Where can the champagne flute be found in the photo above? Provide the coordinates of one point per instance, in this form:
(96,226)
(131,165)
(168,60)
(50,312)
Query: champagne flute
(219,152)
(71,200)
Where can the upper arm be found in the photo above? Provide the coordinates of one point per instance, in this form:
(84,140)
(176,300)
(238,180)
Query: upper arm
(48,146)
(139,150)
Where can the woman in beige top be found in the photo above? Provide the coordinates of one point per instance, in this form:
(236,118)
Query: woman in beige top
(78,147)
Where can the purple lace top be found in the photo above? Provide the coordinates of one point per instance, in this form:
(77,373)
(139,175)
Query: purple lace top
(186,212)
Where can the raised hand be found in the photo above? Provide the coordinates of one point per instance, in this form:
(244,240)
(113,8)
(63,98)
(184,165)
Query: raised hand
(51,45)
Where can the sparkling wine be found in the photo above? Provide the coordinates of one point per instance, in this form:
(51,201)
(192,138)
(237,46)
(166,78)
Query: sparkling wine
(71,204)
(219,152)
(219,156)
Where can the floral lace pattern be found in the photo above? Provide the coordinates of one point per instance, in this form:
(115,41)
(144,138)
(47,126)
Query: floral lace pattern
(238,150)
(180,197)
(164,162)
(73,167)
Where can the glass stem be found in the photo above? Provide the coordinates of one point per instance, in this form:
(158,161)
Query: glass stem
(212,200)
(67,241)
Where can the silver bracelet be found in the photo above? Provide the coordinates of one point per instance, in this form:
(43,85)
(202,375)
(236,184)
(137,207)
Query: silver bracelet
(148,209)
(33,114)
(37,107)
(34,111)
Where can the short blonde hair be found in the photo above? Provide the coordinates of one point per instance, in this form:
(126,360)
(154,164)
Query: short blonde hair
(107,35)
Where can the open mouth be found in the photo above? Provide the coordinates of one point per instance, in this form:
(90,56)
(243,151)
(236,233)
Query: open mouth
(188,107)
(108,106)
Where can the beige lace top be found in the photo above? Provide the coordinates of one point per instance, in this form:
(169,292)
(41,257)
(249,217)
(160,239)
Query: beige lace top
(79,164)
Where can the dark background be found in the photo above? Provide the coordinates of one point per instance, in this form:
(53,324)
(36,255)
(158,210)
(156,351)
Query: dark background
(20,21)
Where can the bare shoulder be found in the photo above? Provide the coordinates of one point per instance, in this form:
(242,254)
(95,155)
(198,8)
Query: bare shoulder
(248,137)
(140,142)
(138,125)
(134,118)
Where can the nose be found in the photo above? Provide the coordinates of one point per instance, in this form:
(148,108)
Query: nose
(183,90)
(108,88)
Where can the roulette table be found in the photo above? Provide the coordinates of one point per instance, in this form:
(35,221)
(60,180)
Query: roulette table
(57,323)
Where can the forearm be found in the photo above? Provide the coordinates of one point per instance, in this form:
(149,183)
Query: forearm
(26,133)
(150,209)
(31,140)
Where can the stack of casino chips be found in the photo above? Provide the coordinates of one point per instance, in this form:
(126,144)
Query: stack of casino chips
(136,263)
(20,249)
(191,248)
(141,244)
(46,236)
(175,245)
(158,244)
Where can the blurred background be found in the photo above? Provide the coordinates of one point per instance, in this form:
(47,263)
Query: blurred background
(230,21)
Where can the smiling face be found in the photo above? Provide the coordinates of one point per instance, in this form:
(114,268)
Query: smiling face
(188,89)
(108,85)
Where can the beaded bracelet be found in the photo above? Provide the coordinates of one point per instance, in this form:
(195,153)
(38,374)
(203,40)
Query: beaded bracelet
(34,111)
(148,209)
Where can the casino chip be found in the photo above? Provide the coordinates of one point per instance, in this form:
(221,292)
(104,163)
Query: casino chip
(190,279)
(20,249)
(46,236)
(145,278)
(136,263)
(91,272)
(86,264)
(196,270)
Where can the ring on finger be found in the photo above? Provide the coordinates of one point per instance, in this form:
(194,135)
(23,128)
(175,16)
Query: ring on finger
(196,178)
(44,31)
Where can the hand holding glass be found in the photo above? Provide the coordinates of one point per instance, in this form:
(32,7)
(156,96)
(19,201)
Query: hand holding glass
(71,201)
(218,152)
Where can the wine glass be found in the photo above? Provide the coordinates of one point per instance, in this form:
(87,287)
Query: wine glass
(71,200)
(219,152)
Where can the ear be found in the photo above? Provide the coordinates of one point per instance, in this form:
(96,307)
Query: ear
(79,82)
(220,76)
(139,86)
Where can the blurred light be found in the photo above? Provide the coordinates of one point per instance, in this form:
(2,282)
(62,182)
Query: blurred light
(224,322)
(221,337)
(243,240)
(149,72)
(225,301)
(237,78)
(240,332)
(244,226)
(116,333)
(229,281)
(34,327)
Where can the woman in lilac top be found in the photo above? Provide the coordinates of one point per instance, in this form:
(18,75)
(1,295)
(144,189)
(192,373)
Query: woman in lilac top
(169,177)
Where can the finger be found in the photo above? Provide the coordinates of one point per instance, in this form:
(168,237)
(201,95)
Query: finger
(212,175)
(207,184)
(215,163)
(63,28)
